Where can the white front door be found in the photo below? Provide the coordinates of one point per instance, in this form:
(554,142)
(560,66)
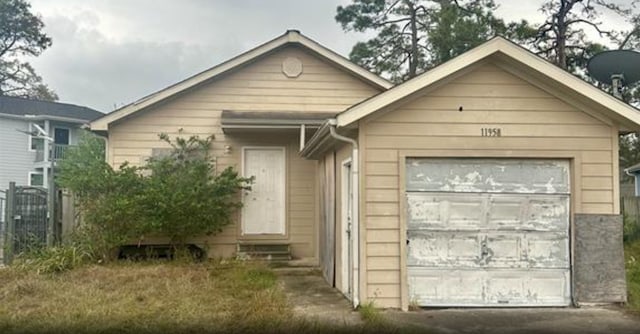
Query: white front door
(264,205)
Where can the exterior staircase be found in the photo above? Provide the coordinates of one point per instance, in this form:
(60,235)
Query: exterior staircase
(264,252)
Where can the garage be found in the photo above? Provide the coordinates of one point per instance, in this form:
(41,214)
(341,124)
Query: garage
(492,180)
(488,232)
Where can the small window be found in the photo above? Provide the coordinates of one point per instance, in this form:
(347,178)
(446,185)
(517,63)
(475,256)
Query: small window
(36,179)
(35,143)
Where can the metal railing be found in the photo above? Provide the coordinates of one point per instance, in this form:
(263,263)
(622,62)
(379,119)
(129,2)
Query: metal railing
(56,152)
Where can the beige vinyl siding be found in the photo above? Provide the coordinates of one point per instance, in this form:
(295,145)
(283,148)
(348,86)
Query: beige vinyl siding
(534,124)
(259,86)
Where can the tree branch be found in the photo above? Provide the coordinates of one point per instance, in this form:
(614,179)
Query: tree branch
(592,24)
(393,21)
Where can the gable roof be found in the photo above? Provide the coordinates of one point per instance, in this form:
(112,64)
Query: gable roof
(290,37)
(21,107)
(508,52)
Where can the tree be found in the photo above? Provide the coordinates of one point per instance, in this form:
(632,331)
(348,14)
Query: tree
(629,155)
(458,28)
(562,38)
(413,35)
(21,35)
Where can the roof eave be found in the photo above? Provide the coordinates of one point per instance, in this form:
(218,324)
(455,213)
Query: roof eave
(314,146)
(46,117)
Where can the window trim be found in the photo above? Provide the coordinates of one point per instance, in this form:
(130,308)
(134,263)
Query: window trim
(53,134)
(35,173)
(31,137)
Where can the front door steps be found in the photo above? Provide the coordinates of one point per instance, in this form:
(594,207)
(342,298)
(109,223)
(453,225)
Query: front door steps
(264,251)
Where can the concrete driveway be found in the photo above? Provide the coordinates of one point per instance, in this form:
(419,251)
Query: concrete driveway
(313,299)
(526,320)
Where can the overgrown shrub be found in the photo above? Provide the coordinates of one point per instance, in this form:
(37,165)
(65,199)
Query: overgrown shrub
(108,199)
(182,195)
(177,195)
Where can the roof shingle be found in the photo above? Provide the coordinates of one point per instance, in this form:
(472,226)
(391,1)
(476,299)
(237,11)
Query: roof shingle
(20,107)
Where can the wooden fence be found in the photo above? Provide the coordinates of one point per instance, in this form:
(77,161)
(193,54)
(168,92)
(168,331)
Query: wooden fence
(69,215)
(630,206)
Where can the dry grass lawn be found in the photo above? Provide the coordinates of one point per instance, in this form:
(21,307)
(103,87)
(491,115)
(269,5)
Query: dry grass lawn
(146,298)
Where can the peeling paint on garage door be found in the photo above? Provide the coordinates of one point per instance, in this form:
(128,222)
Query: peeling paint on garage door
(488,232)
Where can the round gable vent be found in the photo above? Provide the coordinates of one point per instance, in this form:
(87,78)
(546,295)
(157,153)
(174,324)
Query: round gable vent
(292,67)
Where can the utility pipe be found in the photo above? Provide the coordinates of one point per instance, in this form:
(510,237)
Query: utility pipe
(355,211)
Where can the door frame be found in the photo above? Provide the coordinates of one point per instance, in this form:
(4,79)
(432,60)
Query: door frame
(346,215)
(285,205)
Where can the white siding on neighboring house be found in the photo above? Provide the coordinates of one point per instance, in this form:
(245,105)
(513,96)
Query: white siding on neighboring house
(15,158)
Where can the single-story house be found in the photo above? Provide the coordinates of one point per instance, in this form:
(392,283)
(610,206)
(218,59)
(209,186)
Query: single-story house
(490,180)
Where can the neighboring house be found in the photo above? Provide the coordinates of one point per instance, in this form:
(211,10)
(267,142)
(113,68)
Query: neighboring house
(25,159)
(490,180)
(634,171)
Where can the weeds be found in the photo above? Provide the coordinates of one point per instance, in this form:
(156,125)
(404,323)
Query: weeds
(630,227)
(51,260)
(369,313)
(632,264)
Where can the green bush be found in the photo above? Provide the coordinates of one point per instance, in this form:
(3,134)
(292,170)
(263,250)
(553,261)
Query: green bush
(177,195)
(108,199)
(183,197)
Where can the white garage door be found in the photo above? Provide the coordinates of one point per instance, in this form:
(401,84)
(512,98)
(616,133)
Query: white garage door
(488,232)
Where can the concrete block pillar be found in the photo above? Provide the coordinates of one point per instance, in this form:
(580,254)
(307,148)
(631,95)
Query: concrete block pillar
(599,274)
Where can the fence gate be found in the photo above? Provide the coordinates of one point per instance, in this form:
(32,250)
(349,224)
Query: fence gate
(26,209)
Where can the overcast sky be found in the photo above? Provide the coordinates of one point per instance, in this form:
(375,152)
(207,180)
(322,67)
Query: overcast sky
(107,53)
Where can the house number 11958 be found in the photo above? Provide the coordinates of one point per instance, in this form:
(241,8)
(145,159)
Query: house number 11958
(491,132)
